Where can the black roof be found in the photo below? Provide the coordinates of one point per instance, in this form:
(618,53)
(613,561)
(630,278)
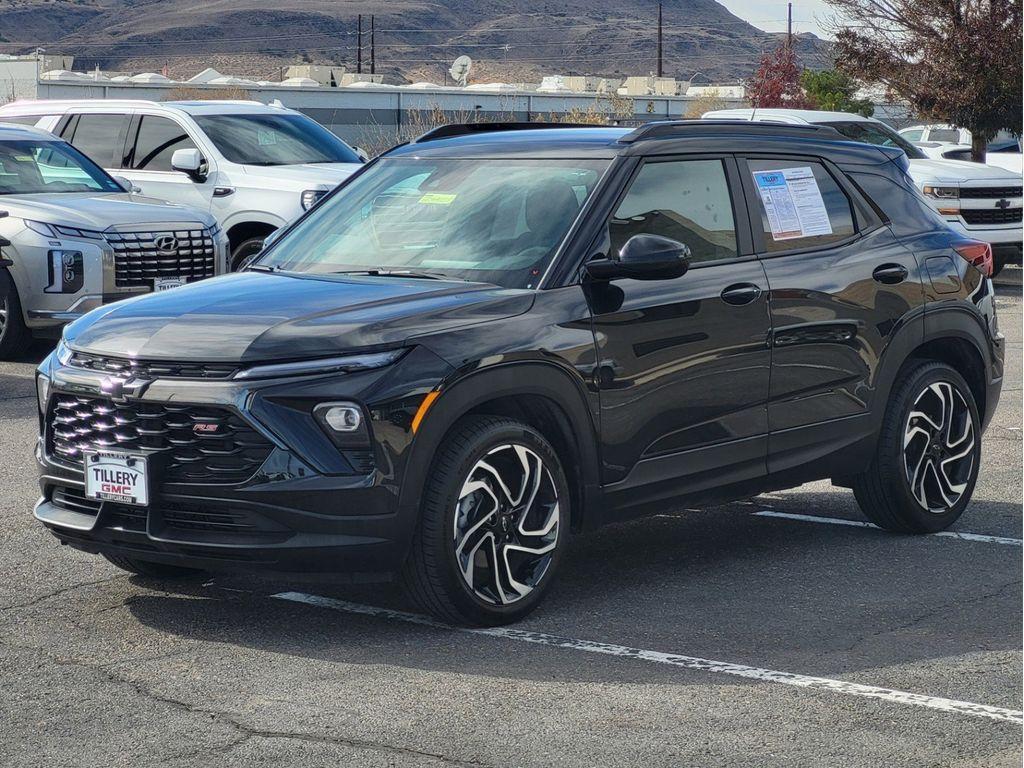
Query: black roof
(545,140)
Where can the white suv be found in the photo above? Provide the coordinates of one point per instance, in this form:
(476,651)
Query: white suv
(982,202)
(72,238)
(254,167)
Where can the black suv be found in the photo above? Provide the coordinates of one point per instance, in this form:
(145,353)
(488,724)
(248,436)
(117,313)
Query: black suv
(495,336)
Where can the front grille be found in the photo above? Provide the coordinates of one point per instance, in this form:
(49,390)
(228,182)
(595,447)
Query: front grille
(227,450)
(991,215)
(148,369)
(989,193)
(139,257)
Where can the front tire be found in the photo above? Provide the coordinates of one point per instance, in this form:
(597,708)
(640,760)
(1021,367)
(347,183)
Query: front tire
(15,336)
(929,453)
(245,250)
(493,523)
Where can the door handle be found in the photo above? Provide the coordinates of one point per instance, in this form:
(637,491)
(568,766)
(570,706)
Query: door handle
(739,294)
(890,274)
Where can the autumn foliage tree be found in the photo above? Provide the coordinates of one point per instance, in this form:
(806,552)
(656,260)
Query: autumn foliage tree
(776,82)
(955,61)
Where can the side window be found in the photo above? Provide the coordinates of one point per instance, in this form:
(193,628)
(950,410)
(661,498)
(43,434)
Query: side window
(912,135)
(686,200)
(157,140)
(23,119)
(801,205)
(99,137)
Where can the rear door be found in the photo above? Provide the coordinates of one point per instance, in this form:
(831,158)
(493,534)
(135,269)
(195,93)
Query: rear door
(99,135)
(840,286)
(683,363)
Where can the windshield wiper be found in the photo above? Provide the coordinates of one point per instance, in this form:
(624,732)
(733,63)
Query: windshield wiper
(398,273)
(262,268)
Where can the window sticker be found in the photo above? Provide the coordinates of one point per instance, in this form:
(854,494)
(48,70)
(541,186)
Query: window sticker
(266,138)
(437,198)
(793,203)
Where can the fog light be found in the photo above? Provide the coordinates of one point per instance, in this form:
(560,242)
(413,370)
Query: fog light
(343,418)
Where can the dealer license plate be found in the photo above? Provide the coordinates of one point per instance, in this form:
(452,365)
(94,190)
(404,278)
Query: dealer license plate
(166,283)
(119,477)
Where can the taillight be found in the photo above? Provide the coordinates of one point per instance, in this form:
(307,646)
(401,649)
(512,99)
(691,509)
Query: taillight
(977,253)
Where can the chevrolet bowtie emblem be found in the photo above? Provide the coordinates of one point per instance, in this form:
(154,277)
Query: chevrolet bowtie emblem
(1004,203)
(122,389)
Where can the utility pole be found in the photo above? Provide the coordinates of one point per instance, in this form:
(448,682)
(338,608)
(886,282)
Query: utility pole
(373,48)
(660,67)
(789,26)
(359,46)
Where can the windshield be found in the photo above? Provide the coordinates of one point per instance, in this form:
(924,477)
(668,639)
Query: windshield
(494,221)
(263,139)
(30,166)
(878,134)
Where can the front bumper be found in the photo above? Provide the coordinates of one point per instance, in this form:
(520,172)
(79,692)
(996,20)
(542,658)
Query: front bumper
(996,235)
(308,509)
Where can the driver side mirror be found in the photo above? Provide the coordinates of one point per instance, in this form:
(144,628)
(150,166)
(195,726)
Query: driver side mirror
(189,162)
(643,257)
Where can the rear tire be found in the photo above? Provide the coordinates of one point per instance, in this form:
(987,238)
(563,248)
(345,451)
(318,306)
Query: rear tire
(15,336)
(151,570)
(928,456)
(494,519)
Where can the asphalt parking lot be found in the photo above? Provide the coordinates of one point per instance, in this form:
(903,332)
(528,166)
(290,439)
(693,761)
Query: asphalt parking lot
(765,632)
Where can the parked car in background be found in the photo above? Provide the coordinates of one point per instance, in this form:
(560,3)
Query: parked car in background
(946,142)
(496,336)
(978,201)
(254,167)
(72,238)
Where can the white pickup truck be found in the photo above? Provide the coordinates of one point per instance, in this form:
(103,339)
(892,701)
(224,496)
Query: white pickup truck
(982,202)
(255,167)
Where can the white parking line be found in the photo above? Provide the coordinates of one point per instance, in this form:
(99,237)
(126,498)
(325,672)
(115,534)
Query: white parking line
(673,659)
(978,537)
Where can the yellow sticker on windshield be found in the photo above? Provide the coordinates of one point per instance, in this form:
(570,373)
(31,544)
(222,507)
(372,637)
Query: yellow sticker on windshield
(437,198)
(24,158)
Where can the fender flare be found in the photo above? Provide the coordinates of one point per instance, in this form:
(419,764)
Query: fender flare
(935,323)
(468,390)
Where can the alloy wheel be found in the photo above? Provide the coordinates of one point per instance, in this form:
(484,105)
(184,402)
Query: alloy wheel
(938,447)
(506,524)
(4,304)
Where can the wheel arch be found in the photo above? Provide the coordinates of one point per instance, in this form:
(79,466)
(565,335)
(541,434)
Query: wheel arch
(541,394)
(955,336)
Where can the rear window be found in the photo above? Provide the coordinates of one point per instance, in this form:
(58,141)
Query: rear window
(879,134)
(949,135)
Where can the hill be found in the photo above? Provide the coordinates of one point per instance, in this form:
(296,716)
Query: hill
(512,40)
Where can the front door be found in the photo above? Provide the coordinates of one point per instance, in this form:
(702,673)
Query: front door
(152,140)
(683,363)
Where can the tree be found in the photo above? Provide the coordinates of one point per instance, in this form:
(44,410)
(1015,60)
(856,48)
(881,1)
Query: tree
(776,83)
(709,101)
(955,61)
(833,90)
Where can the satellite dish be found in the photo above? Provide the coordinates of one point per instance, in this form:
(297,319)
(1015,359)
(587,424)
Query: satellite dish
(460,70)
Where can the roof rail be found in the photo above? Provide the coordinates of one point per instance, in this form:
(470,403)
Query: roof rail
(664,129)
(465,129)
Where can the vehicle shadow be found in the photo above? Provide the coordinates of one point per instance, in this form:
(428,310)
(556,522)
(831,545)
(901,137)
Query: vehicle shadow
(719,584)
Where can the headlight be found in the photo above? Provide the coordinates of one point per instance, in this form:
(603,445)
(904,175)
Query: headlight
(59,230)
(322,365)
(63,352)
(942,193)
(42,391)
(311,197)
(39,227)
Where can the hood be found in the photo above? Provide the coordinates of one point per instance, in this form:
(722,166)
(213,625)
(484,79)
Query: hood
(306,176)
(256,317)
(958,171)
(94,210)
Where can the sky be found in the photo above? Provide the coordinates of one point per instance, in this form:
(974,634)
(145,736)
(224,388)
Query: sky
(770,15)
